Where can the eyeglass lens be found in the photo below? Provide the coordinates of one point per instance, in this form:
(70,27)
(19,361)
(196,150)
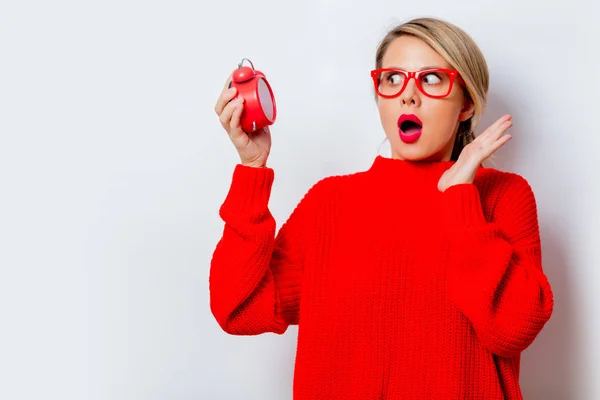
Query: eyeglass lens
(432,83)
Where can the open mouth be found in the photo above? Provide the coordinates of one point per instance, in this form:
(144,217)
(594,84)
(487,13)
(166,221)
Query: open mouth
(410,127)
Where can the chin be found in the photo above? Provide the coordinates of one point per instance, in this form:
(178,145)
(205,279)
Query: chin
(411,152)
(421,150)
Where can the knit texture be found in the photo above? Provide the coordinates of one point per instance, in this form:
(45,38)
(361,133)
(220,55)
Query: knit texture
(399,291)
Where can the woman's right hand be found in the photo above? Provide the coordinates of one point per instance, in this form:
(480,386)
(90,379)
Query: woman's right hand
(253,148)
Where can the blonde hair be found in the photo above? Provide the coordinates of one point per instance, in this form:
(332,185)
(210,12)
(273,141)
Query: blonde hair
(462,53)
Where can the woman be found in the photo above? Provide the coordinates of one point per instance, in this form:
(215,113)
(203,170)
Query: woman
(419,278)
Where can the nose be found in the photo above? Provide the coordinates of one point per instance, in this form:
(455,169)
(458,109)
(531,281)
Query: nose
(409,94)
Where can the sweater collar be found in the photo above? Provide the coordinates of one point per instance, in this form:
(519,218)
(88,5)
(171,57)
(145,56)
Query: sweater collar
(422,171)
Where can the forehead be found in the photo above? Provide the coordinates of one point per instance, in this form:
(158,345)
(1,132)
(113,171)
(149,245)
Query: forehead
(411,53)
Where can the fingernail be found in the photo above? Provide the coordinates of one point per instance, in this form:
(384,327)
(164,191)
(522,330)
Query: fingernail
(231,90)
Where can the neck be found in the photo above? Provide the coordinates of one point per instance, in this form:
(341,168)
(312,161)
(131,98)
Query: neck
(443,155)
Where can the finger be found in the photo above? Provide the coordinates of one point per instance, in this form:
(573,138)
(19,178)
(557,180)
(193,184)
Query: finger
(226,114)
(497,132)
(502,120)
(236,131)
(493,128)
(501,130)
(225,97)
(499,143)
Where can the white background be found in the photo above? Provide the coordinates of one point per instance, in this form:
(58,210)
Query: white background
(113,166)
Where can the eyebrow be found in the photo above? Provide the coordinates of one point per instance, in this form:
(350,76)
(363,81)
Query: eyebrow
(427,67)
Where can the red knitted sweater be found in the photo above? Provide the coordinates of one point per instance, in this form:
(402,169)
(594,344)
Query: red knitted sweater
(399,291)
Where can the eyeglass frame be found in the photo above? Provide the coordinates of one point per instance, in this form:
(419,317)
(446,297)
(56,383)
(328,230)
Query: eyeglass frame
(452,73)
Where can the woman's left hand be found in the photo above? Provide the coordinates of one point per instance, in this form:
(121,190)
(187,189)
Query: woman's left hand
(473,154)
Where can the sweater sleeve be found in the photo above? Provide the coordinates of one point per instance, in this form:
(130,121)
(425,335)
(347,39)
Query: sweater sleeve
(495,274)
(255,276)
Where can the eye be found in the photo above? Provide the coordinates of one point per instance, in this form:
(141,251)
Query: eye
(431,78)
(394,78)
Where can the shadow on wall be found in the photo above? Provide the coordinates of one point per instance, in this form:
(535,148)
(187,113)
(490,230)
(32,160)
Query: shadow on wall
(549,366)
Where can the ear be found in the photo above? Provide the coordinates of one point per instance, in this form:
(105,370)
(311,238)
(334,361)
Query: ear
(467,111)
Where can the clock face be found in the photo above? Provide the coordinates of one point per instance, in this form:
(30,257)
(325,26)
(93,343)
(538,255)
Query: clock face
(266,99)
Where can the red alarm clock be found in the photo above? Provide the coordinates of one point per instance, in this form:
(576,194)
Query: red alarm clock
(259,103)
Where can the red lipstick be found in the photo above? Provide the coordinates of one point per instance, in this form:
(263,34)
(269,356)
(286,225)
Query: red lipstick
(410,128)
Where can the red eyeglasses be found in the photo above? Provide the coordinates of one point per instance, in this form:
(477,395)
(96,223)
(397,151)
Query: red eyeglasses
(434,82)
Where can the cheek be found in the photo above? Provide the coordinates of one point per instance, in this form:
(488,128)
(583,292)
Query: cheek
(389,113)
(441,114)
